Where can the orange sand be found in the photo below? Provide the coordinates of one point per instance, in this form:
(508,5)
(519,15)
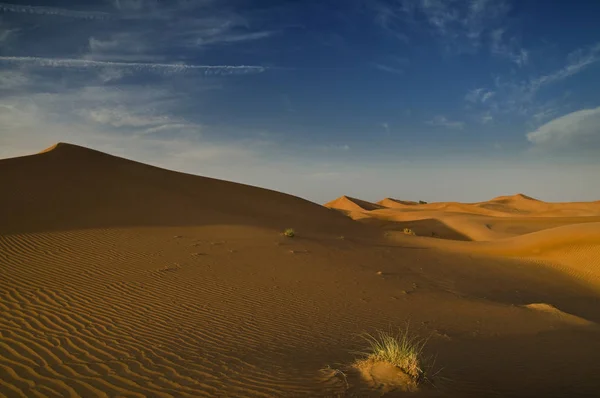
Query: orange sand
(123,279)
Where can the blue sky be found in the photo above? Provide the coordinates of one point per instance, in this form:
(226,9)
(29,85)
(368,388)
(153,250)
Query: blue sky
(415,99)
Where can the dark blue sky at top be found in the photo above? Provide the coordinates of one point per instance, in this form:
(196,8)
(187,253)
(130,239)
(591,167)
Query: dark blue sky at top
(353,80)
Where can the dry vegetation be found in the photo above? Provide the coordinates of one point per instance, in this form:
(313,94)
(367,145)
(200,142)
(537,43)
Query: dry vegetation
(401,349)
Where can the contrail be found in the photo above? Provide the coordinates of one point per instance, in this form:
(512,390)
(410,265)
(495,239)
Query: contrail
(61,12)
(139,66)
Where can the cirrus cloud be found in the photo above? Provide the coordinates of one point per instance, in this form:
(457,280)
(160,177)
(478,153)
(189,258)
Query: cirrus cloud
(53,11)
(442,121)
(145,66)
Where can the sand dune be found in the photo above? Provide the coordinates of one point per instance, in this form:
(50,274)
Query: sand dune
(498,218)
(68,187)
(575,249)
(502,206)
(347,203)
(516,198)
(524,204)
(123,279)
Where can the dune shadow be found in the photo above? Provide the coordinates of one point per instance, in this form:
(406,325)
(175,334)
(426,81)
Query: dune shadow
(554,363)
(428,228)
(550,364)
(510,281)
(75,188)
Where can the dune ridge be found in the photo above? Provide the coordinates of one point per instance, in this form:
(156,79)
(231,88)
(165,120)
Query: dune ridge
(396,203)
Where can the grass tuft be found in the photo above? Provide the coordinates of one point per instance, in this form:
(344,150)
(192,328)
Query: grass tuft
(290,233)
(403,350)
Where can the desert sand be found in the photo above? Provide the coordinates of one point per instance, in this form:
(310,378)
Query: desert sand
(120,279)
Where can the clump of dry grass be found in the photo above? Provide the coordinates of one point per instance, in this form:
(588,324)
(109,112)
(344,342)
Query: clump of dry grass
(402,350)
(290,233)
(408,231)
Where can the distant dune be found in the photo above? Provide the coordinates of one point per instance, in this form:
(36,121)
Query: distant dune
(524,204)
(497,218)
(120,279)
(347,203)
(519,197)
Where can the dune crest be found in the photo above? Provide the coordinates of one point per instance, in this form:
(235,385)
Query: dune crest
(560,315)
(51,148)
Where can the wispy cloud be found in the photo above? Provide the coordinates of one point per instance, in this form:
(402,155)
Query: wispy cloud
(171,127)
(156,5)
(460,26)
(479,95)
(580,129)
(388,16)
(389,69)
(508,48)
(139,119)
(123,9)
(234,38)
(5,34)
(577,61)
(545,114)
(219,28)
(149,30)
(121,117)
(121,40)
(53,11)
(139,66)
(522,97)
(442,121)
(126,46)
(487,118)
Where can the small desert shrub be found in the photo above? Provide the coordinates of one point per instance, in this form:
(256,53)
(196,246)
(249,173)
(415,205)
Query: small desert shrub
(402,350)
(408,231)
(290,233)
(422,202)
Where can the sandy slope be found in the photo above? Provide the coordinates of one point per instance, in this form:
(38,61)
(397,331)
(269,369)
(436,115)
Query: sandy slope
(122,279)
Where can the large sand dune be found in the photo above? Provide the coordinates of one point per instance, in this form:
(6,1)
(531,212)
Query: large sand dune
(123,279)
(68,187)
